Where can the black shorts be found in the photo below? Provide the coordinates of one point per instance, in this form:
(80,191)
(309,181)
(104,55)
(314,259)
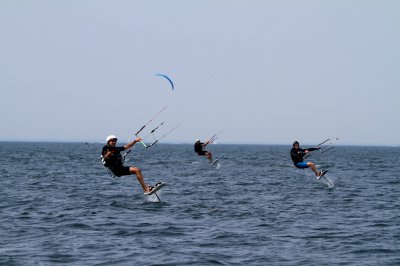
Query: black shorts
(120,171)
(202,153)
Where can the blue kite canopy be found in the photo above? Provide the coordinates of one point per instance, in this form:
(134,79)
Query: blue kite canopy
(166,77)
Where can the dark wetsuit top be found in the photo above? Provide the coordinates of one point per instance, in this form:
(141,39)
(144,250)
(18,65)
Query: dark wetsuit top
(114,162)
(198,148)
(297,155)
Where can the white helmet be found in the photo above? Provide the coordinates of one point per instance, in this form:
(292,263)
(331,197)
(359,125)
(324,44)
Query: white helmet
(111,137)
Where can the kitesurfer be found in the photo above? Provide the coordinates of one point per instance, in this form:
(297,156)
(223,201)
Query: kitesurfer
(297,154)
(112,159)
(199,148)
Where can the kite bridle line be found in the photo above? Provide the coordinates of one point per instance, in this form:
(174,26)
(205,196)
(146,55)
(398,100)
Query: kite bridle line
(330,142)
(140,130)
(151,132)
(144,144)
(157,140)
(319,146)
(156,128)
(212,138)
(125,154)
(137,133)
(327,149)
(323,142)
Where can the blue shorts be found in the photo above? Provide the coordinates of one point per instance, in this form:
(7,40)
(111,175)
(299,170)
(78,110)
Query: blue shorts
(302,165)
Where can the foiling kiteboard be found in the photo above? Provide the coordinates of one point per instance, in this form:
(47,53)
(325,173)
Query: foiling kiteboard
(325,179)
(323,172)
(214,162)
(157,187)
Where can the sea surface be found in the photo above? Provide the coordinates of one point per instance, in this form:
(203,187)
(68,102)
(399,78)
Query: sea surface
(60,206)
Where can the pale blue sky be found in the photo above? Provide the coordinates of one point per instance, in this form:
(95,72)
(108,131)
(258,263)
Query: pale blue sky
(262,71)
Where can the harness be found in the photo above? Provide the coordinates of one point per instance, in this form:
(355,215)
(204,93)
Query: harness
(198,147)
(113,162)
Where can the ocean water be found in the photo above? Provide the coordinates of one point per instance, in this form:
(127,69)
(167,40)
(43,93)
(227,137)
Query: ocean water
(60,206)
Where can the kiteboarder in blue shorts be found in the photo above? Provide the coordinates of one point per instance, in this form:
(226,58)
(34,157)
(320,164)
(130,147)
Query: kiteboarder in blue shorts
(297,154)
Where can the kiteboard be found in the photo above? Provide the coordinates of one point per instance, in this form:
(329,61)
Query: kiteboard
(323,177)
(322,174)
(157,187)
(214,162)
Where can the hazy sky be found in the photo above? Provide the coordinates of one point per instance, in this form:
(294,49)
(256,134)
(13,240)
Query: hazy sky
(265,71)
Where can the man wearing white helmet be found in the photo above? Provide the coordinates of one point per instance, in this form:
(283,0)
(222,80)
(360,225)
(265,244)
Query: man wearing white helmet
(112,159)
